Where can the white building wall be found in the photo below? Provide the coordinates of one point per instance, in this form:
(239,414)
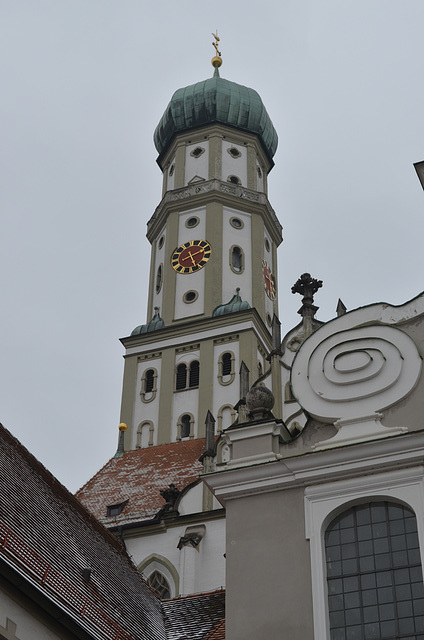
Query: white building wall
(197,166)
(28,627)
(190,281)
(160,259)
(210,561)
(241,238)
(232,166)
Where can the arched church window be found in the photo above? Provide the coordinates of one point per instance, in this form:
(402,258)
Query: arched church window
(194,374)
(185,425)
(236,259)
(181,380)
(374,574)
(159,584)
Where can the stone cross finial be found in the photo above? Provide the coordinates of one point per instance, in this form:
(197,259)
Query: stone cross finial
(307,287)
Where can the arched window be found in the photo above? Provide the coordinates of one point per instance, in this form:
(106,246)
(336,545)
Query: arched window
(148,385)
(226,416)
(236,259)
(159,584)
(145,434)
(194,374)
(149,380)
(185,426)
(181,380)
(192,378)
(374,575)
(226,364)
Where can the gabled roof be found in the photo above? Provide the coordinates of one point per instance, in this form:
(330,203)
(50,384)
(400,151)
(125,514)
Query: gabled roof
(47,539)
(138,477)
(196,617)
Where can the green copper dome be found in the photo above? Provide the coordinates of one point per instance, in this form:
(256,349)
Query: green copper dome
(235,304)
(216,100)
(155,323)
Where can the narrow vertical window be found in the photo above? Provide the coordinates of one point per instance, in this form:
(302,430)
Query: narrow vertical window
(185,426)
(226,364)
(159,279)
(181,380)
(236,259)
(149,380)
(194,374)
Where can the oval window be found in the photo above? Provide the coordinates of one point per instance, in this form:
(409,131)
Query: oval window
(192,222)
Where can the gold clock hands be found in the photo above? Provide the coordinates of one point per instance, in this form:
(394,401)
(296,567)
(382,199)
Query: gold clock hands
(190,255)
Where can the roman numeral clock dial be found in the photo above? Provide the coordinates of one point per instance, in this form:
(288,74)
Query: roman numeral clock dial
(191,256)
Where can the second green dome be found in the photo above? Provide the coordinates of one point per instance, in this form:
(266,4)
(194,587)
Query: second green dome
(216,100)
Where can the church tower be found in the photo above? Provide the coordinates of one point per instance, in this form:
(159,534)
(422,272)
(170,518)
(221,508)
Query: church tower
(213,269)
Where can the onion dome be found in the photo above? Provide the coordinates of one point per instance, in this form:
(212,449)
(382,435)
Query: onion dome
(216,100)
(235,304)
(155,323)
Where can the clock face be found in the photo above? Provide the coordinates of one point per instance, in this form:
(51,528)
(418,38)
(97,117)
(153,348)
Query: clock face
(269,281)
(191,256)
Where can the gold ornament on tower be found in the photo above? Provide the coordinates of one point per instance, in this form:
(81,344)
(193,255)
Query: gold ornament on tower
(216,60)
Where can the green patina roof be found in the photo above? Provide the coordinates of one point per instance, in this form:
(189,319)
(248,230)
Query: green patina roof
(235,304)
(216,100)
(155,323)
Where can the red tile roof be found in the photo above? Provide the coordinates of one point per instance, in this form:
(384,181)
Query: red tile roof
(196,617)
(47,538)
(139,476)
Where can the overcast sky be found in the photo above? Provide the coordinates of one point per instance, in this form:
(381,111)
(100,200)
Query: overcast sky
(83,86)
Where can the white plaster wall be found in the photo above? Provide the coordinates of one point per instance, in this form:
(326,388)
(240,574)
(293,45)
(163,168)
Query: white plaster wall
(241,238)
(146,410)
(234,166)
(197,166)
(225,394)
(210,562)
(27,626)
(190,281)
(160,258)
(171,179)
(192,501)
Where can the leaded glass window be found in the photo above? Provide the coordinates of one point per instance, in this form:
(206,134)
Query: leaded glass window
(374,575)
(159,584)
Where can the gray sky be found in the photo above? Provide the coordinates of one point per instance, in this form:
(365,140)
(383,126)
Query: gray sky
(83,85)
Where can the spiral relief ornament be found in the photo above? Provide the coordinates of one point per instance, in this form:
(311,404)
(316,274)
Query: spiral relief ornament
(348,376)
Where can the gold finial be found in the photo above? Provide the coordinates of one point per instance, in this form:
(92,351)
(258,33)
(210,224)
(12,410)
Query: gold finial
(216,60)
(123,426)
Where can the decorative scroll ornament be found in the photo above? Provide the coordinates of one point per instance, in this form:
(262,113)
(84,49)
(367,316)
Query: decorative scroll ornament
(346,376)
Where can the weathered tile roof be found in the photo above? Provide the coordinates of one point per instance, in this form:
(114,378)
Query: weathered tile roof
(139,476)
(47,538)
(196,617)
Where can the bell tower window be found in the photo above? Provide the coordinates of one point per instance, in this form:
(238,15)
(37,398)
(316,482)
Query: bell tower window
(185,427)
(148,385)
(181,377)
(237,259)
(194,374)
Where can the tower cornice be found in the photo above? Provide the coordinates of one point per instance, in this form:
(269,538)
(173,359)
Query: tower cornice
(201,193)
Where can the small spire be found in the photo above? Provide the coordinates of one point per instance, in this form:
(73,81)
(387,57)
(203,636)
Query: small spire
(341,308)
(120,450)
(307,287)
(216,60)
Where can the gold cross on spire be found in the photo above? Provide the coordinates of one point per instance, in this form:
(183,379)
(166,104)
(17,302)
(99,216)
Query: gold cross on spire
(216,60)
